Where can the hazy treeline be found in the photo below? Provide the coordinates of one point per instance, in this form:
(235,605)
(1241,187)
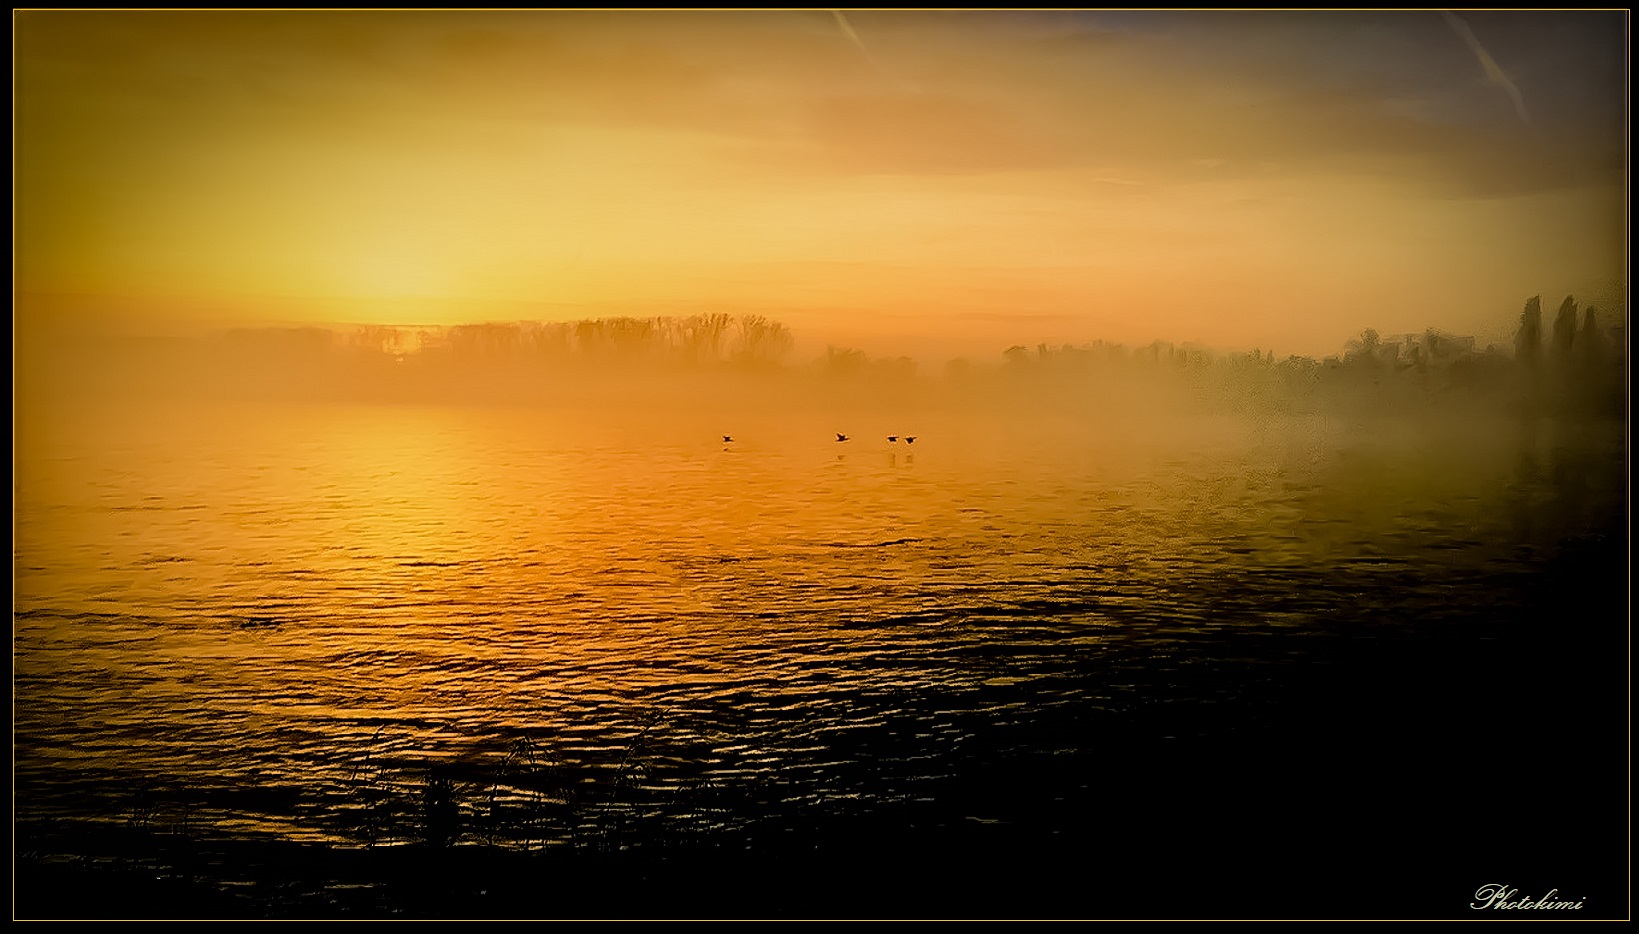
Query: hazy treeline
(1581,365)
(1579,369)
(1577,365)
(698,340)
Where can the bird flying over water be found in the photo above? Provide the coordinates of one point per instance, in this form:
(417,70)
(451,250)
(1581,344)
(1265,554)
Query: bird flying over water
(892,438)
(841,436)
(727,439)
(910,439)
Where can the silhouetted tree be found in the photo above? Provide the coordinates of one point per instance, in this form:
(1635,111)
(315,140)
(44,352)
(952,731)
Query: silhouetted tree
(702,337)
(1156,353)
(1564,332)
(762,342)
(589,337)
(1366,350)
(1591,346)
(1600,368)
(375,340)
(843,360)
(1528,339)
(631,337)
(547,341)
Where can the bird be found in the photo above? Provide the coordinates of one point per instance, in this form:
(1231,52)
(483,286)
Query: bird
(841,436)
(727,439)
(910,439)
(892,438)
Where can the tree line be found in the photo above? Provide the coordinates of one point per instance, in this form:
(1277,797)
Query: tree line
(708,339)
(1578,365)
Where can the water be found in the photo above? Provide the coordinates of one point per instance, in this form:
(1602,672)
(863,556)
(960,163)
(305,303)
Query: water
(252,642)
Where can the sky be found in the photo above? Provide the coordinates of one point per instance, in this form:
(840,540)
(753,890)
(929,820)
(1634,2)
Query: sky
(905,182)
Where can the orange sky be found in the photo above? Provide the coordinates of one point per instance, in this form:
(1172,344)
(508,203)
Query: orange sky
(894,180)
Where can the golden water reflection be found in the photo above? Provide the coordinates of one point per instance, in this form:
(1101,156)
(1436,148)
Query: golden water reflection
(281,596)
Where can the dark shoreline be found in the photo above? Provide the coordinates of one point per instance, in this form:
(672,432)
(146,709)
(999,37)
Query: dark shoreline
(1323,806)
(1396,769)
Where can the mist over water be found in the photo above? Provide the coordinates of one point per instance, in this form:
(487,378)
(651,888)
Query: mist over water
(1113,609)
(816,464)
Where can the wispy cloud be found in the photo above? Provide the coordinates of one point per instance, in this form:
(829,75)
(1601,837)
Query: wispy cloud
(1493,71)
(848,30)
(853,37)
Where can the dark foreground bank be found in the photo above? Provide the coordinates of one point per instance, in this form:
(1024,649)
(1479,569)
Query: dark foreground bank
(1394,773)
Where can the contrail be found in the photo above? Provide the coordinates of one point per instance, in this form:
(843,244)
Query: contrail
(853,37)
(1493,71)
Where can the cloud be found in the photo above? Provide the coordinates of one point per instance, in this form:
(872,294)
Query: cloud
(801,92)
(1493,71)
(514,151)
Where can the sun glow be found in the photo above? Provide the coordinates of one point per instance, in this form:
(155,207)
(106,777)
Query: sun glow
(444,167)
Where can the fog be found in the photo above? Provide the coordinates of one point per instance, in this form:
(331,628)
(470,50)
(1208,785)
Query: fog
(728,364)
(717,441)
(1531,434)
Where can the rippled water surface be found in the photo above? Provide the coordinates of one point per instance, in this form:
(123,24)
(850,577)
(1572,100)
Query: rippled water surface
(366,626)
